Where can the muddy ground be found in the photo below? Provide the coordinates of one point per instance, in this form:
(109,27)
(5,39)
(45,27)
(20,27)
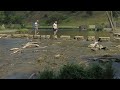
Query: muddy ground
(52,54)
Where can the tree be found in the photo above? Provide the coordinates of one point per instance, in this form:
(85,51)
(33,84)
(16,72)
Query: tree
(2,16)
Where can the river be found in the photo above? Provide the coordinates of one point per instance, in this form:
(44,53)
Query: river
(22,65)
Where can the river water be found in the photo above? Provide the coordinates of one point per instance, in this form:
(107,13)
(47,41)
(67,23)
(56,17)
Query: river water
(22,65)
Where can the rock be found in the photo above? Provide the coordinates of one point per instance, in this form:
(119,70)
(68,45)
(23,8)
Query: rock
(57,56)
(94,49)
(47,37)
(65,37)
(104,38)
(42,36)
(55,37)
(104,60)
(36,36)
(31,44)
(117,60)
(90,38)
(79,37)
(118,46)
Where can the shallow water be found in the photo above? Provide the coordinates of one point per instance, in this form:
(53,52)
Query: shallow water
(75,32)
(21,65)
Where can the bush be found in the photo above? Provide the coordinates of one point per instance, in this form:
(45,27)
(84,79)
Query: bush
(72,71)
(100,27)
(22,31)
(95,72)
(108,71)
(46,75)
(55,17)
(2,27)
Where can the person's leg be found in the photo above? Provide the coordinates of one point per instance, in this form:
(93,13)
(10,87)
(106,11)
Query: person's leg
(35,31)
(55,32)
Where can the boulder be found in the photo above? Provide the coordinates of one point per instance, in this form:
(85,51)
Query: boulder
(79,37)
(65,37)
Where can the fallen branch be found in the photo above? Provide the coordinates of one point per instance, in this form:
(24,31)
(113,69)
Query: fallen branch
(17,50)
(29,44)
(31,76)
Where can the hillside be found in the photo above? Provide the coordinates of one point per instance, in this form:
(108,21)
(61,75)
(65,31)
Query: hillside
(67,18)
(46,18)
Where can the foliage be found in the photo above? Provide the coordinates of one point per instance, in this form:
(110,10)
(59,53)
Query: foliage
(47,74)
(2,17)
(56,17)
(108,71)
(22,31)
(72,71)
(95,72)
(68,18)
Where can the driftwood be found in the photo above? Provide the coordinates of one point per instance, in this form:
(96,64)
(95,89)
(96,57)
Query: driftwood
(28,45)
(31,44)
(12,49)
(31,75)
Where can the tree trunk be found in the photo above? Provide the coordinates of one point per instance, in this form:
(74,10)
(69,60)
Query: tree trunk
(110,20)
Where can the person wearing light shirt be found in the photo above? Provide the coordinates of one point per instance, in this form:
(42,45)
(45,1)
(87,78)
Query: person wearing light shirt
(55,28)
(36,27)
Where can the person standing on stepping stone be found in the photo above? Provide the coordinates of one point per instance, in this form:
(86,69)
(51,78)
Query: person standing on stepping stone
(55,28)
(36,27)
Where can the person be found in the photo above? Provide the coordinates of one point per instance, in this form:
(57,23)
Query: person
(36,27)
(55,28)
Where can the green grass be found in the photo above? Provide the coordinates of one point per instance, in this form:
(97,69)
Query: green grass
(22,31)
(71,19)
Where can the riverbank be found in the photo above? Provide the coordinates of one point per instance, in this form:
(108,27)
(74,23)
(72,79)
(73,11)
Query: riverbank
(8,31)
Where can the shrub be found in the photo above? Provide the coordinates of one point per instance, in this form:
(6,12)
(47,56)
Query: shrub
(108,71)
(72,72)
(55,17)
(95,72)
(22,31)
(47,74)
(99,27)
